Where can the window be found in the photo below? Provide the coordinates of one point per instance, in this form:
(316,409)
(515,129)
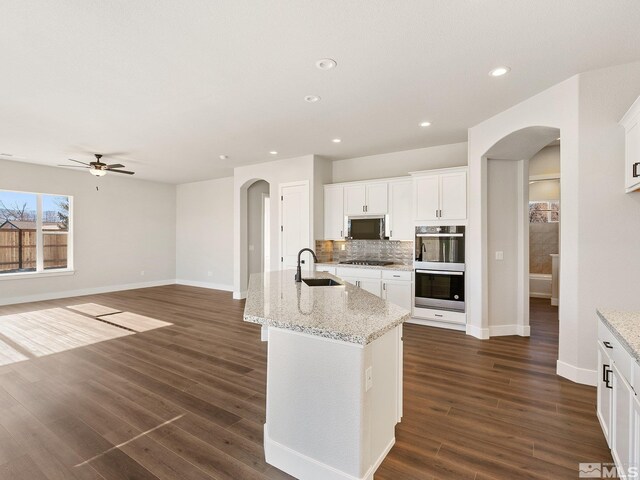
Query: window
(35,232)
(544,212)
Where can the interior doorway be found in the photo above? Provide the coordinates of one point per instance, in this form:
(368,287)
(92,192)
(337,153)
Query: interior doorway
(294,223)
(257,234)
(511,255)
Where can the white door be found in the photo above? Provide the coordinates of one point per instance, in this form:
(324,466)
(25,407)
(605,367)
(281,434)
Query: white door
(355,199)
(377,199)
(370,285)
(604,392)
(453,196)
(334,213)
(427,197)
(294,223)
(401,210)
(398,293)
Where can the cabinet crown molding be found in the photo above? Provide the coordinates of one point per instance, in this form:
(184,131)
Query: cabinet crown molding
(438,171)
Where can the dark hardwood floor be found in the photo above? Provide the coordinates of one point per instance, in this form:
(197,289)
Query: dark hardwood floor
(187,401)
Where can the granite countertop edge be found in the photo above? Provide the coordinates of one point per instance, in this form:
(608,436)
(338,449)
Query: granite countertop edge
(330,334)
(395,266)
(621,338)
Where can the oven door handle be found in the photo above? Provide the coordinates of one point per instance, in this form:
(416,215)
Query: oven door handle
(439,234)
(439,272)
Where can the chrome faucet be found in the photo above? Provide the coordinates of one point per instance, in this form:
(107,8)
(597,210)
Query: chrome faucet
(298,269)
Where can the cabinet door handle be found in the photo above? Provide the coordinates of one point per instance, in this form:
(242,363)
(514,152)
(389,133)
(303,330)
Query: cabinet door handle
(384,286)
(605,368)
(607,379)
(636,170)
(436,213)
(341,236)
(438,315)
(607,344)
(363,208)
(391,233)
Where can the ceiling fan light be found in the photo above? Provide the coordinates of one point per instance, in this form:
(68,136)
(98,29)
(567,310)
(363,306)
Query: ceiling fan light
(97,172)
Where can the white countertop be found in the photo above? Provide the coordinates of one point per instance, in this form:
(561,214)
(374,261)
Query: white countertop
(395,266)
(345,312)
(626,328)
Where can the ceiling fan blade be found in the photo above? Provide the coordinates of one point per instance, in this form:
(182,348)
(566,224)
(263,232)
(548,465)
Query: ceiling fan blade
(73,166)
(78,161)
(115,165)
(122,171)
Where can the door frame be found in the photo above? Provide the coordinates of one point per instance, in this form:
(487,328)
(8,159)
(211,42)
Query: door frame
(281,186)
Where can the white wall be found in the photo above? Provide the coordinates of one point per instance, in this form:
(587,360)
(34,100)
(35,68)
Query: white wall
(586,109)
(126,227)
(503,223)
(204,233)
(546,161)
(397,164)
(275,173)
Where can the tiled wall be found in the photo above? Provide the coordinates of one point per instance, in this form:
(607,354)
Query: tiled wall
(544,239)
(390,250)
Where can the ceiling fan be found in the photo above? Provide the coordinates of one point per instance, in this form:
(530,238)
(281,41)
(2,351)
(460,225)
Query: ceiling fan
(99,168)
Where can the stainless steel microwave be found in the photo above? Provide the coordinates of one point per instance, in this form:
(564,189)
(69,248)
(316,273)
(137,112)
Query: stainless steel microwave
(366,228)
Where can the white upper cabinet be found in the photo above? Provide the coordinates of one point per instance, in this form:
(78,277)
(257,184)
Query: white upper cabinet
(427,197)
(334,212)
(440,195)
(366,199)
(355,199)
(377,198)
(401,210)
(631,124)
(453,196)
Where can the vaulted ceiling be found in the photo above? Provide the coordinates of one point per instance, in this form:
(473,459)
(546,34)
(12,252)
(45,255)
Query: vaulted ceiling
(168,87)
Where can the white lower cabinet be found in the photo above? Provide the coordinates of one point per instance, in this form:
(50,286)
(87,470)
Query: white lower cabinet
(392,285)
(370,285)
(397,292)
(618,404)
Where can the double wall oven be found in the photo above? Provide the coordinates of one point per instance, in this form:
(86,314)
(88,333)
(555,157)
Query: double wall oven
(440,268)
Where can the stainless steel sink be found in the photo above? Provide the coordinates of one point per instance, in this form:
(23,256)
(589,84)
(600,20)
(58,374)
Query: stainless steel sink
(321,282)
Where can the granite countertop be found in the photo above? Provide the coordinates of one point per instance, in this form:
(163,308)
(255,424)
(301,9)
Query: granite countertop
(625,326)
(345,312)
(395,266)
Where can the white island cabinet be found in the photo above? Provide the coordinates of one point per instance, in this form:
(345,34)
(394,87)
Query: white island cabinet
(334,384)
(618,381)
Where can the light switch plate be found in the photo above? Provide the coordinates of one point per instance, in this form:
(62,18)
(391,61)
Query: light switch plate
(499,255)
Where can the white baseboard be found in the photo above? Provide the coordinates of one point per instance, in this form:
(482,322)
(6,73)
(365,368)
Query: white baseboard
(513,329)
(539,295)
(239,295)
(577,374)
(38,297)
(212,286)
(434,323)
(478,332)
(301,466)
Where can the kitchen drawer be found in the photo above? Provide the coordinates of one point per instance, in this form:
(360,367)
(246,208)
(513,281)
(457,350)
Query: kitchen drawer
(325,268)
(440,315)
(621,357)
(396,275)
(357,272)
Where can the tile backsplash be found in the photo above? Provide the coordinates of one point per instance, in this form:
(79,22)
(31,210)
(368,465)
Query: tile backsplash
(389,250)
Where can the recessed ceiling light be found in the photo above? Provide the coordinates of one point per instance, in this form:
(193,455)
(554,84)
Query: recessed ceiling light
(425,124)
(223,157)
(326,63)
(273,152)
(312,98)
(336,140)
(499,71)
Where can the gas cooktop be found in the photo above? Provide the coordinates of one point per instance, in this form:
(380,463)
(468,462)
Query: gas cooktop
(372,263)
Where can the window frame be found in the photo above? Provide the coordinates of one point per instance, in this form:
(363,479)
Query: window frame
(40,271)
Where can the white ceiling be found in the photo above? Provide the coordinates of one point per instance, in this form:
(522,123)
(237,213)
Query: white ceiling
(172,85)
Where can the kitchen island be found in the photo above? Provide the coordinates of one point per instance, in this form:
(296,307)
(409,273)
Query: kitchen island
(334,375)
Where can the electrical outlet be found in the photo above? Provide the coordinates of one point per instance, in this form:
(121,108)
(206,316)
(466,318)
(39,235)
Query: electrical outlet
(142,273)
(499,255)
(209,273)
(368,374)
